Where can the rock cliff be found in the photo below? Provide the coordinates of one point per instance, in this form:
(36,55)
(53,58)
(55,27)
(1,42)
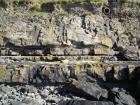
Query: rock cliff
(70,53)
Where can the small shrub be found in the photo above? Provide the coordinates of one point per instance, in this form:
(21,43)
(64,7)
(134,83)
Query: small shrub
(62,13)
(36,8)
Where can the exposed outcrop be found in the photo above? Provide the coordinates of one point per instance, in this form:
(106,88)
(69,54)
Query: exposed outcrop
(70,54)
(94,34)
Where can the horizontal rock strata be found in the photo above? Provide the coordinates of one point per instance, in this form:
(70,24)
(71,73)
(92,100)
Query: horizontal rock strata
(61,73)
(62,53)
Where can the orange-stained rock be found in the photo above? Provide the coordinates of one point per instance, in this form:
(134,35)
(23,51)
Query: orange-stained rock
(107,41)
(103,51)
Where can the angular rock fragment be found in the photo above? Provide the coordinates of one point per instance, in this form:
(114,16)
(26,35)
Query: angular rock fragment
(107,41)
(89,90)
(103,51)
(131,55)
(121,97)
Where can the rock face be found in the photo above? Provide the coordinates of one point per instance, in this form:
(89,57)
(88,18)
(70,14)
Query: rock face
(70,54)
(79,35)
(82,102)
(61,73)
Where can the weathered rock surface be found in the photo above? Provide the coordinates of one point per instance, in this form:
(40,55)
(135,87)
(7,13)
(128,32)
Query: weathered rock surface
(84,102)
(31,95)
(70,35)
(56,58)
(61,73)
(90,90)
(121,97)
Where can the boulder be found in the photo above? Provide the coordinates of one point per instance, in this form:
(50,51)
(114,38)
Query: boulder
(121,97)
(84,102)
(89,90)
(107,41)
(131,55)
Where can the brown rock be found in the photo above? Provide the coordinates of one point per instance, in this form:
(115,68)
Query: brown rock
(4,74)
(98,70)
(107,41)
(20,74)
(1,41)
(103,51)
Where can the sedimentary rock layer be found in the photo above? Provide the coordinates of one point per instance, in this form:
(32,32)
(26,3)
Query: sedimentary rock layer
(62,72)
(69,54)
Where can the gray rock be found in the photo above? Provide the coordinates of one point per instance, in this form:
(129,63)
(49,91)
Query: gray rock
(17,103)
(90,90)
(58,75)
(131,55)
(121,97)
(84,102)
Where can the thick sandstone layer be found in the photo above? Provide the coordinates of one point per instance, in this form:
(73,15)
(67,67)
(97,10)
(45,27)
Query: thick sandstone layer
(63,72)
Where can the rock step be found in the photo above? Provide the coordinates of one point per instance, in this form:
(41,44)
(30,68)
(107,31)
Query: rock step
(57,50)
(61,73)
(50,59)
(53,59)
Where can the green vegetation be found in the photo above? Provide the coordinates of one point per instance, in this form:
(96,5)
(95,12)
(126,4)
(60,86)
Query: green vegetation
(53,1)
(135,1)
(62,13)
(38,13)
(35,5)
(39,2)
